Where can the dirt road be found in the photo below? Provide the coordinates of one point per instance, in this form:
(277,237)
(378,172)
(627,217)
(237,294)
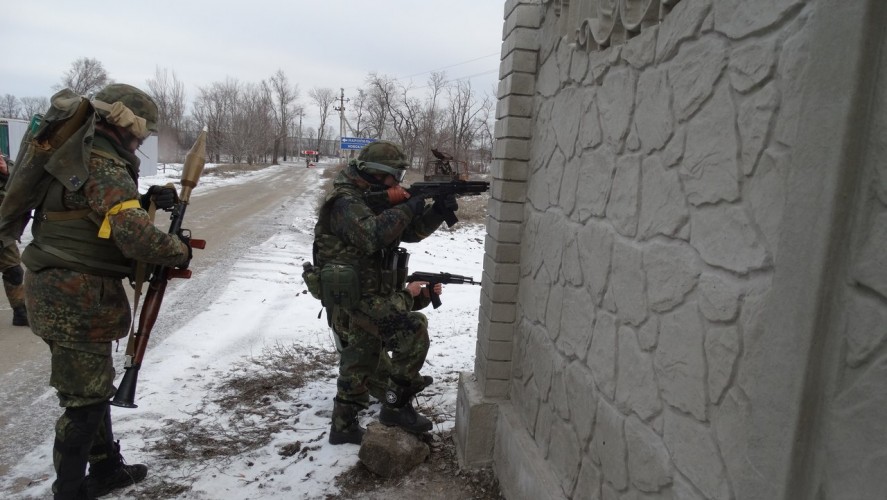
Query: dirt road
(231,218)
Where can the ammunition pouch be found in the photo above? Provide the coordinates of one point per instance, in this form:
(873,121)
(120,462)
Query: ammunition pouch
(394,270)
(339,286)
(311,276)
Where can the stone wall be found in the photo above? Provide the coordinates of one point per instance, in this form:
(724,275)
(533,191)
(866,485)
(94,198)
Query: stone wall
(685,282)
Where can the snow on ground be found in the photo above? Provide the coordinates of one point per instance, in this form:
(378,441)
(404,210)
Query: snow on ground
(264,307)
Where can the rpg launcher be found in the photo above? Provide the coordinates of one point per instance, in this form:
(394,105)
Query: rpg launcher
(435,278)
(138,340)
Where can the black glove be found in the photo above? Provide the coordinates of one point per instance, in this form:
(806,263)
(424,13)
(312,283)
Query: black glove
(185,236)
(165,197)
(416,204)
(445,204)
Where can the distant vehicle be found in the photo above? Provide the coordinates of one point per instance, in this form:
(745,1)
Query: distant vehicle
(443,167)
(11,132)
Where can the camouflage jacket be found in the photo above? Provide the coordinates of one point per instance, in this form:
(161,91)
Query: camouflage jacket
(351,231)
(69,295)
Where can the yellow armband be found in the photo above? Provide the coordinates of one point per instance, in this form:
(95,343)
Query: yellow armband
(105,230)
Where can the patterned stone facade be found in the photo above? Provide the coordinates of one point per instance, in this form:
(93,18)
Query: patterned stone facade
(685,282)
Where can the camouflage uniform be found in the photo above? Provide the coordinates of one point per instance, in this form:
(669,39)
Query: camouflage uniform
(10,263)
(77,302)
(365,234)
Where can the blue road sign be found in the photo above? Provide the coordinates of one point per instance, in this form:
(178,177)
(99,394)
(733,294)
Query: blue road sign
(355,142)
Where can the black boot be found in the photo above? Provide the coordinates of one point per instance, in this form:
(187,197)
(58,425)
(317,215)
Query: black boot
(20,316)
(107,469)
(406,417)
(345,427)
(398,411)
(112,473)
(75,432)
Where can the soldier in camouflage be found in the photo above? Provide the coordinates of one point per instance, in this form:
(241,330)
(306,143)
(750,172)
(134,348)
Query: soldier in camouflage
(361,224)
(11,263)
(74,291)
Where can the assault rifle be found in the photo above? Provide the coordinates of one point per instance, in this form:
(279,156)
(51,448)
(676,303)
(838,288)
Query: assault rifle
(440,190)
(435,278)
(436,190)
(138,340)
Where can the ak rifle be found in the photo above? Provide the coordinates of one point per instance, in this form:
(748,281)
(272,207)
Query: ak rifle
(444,278)
(440,190)
(378,196)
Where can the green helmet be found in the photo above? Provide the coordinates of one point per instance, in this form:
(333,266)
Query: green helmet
(383,157)
(141,104)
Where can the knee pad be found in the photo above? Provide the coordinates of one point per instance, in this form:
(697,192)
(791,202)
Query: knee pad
(15,275)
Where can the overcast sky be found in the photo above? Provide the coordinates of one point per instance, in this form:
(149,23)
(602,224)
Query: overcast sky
(318,43)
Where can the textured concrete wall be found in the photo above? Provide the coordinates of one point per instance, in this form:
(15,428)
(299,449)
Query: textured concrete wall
(685,286)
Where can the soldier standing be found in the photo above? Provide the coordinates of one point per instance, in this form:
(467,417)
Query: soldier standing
(85,242)
(11,264)
(363,234)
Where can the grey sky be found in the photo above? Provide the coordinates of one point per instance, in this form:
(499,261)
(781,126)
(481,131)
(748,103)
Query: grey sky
(320,43)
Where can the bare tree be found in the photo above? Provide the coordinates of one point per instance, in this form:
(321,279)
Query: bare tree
(252,131)
(311,133)
(284,95)
(359,111)
(463,111)
(324,98)
(169,94)
(430,126)
(33,105)
(9,106)
(214,108)
(406,117)
(486,120)
(397,109)
(86,76)
(380,94)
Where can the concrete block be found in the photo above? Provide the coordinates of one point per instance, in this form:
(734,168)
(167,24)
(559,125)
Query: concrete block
(523,61)
(514,191)
(512,127)
(509,170)
(520,465)
(504,232)
(514,105)
(501,272)
(475,424)
(504,211)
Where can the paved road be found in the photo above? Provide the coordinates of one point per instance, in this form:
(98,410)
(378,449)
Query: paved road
(231,218)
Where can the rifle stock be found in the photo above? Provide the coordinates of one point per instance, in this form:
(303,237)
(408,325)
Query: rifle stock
(138,340)
(443,278)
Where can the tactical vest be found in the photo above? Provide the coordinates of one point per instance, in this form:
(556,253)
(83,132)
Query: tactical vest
(68,239)
(377,271)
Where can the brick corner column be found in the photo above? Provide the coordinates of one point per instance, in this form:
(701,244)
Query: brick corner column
(477,408)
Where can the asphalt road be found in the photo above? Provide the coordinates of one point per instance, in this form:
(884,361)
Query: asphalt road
(231,218)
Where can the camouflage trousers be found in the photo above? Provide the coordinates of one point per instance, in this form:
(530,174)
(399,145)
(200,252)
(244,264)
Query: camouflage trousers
(379,326)
(82,372)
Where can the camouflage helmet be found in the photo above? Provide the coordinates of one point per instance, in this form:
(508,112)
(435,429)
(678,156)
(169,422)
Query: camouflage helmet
(383,157)
(140,103)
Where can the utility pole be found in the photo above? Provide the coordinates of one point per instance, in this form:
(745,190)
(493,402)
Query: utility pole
(341,110)
(299,138)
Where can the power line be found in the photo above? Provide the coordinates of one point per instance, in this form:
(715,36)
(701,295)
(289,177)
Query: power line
(450,66)
(400,78)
